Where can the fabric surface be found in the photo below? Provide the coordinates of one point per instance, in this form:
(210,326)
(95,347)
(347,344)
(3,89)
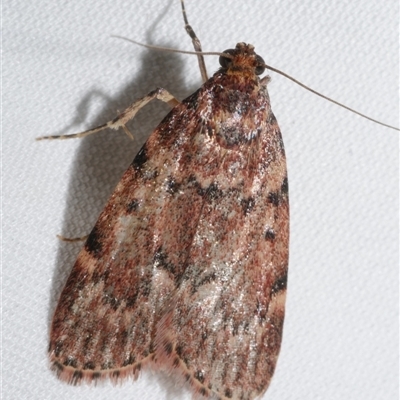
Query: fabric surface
(63,72)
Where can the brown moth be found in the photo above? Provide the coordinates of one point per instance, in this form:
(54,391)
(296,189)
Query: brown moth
(186,267)
(187,264)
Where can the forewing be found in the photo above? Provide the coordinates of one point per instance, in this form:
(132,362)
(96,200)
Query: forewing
(223,327)
(105,320)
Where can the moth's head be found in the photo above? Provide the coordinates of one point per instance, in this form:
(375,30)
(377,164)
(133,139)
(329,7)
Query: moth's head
(242,60)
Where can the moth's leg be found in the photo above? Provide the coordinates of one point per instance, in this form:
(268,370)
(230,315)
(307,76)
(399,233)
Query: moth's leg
(196,44)
(121,120)
(264,81)
(72,240)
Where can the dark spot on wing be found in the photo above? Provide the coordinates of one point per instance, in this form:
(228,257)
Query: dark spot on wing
(70,362)
(131,300)
(132,205)
(274,198)
(247,205)
(89,365)
(235,327)
(270,234)
(110,299)
(281,195)
(168,348)
(199,376)
(140,158)
(160,260)
(201,280)
(178,350)
(228,393)
(151,346)
(93,243)
(279,284)
(171,185)
(210,131)
(281,145)
(213,192)
(285,186)
(57,348)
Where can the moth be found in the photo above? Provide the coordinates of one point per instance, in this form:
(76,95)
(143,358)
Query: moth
(186,267)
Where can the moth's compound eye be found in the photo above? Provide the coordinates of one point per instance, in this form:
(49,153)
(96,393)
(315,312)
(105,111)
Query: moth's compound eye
(225,62)
(260,68)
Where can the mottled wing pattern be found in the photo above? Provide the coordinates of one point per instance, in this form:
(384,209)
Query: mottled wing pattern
(187,264)
(105,321)
(224,325)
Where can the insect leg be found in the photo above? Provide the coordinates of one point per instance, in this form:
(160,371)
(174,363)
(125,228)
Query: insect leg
(72,240)
(121,120)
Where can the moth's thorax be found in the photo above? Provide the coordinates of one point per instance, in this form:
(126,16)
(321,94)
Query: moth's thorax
(235,107)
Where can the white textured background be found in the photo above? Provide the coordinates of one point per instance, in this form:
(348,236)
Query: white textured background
(62,72)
